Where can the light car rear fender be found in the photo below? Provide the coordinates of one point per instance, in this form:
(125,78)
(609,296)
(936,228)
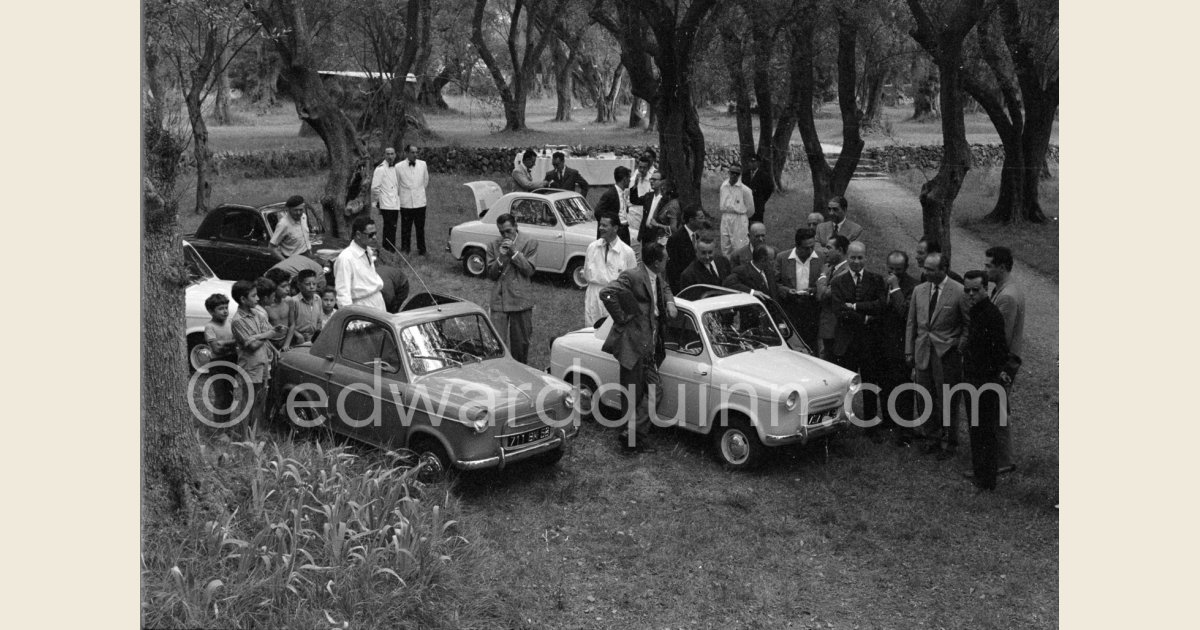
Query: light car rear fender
(468,245)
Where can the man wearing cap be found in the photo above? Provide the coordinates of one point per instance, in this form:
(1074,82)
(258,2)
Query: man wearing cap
(385,196)
(761,184)
(291,233)
(737,202)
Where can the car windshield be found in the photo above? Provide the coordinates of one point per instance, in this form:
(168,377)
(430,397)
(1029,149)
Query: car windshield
(314,222)
(742,328)
(449,342)
(198,271)
(574,210)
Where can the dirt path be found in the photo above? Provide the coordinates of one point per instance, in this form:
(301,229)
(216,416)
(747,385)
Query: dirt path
(891,216)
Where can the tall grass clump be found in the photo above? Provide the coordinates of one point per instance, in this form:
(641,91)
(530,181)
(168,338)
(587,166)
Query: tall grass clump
(316,536)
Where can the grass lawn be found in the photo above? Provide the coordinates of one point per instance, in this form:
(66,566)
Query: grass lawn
(1033,244)
(471,122)
(865,535)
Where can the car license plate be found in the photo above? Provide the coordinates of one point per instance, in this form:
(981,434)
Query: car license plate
(818,418)
(528,437)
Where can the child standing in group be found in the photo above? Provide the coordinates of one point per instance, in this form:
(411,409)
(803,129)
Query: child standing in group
(304,311)
(328,303)
(272,301)
(252,332)
(218,335)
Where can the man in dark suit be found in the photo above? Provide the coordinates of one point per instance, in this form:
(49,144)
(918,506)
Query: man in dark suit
(758,236)
(756,277)
(859,297)
(928,245)
(892,369)
(937,321)
(835,265)
(615,202)
(759,179)
(798,270)
(681,248)
(709,266)
(1008,297)
(986,366)
(640,304)
(565,177)
(838,224)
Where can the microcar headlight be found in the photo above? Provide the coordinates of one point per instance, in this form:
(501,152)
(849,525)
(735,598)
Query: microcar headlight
(855,383)
(792,399)
(477,418)
(568,400)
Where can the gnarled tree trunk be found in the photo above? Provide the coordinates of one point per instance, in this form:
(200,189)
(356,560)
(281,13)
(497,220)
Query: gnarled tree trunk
(170,452)
(944,42)
(286,21)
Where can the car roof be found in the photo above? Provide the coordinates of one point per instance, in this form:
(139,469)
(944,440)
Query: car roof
(325,344)
(719,301)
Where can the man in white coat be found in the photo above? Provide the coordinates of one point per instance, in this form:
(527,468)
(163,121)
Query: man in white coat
(385,196)
(606,258)
(737,203)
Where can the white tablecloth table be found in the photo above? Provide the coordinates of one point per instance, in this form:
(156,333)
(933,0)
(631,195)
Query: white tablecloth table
(598,171)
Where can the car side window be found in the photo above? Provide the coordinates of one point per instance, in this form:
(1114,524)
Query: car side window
(682,336)
(365,341)
(241,225)
(532,212)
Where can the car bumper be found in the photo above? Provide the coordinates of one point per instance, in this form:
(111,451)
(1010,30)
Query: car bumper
(561,438)
(808,432)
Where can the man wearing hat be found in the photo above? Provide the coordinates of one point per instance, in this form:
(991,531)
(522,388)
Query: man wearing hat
(737,202)
(291,233)
(761,184)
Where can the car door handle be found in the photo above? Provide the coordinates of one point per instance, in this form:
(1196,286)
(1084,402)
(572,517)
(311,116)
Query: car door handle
(701,371)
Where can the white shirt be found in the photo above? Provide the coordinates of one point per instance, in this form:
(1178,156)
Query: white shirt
(623,212)
(412,181)
(601,267)
(732,201)
(802,269)
(385,187)
(356,280)
(643,183)
(653,293)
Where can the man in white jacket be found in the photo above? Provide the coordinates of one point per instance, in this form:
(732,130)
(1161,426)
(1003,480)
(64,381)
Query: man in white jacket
(606,258)
(737,203)
(385,196)
(413,176)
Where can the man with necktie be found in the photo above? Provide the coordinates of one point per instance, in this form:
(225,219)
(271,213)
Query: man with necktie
(709,266)
(640,304)
(937,322)
(859,298)
(564,177)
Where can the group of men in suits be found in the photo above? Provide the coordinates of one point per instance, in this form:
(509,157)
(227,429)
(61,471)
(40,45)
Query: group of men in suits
(892,329)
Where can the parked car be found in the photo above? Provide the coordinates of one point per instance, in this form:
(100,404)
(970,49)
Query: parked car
(202,282)
(728,373)
(234,240)
(434,378)
(562,223)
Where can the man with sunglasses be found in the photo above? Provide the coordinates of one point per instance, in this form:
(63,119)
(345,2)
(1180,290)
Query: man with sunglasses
(354,273)
(985,362)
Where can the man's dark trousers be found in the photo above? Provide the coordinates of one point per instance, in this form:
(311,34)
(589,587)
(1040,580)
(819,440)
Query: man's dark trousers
(409,218)
(983,431)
